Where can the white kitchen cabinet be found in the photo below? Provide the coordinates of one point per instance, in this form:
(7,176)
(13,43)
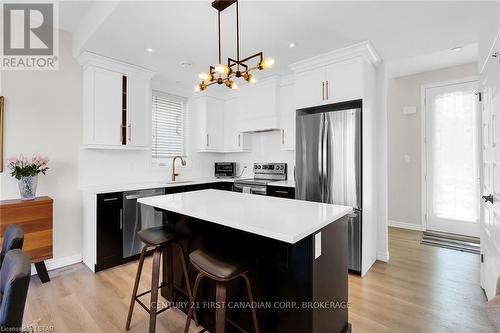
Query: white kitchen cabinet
(258,106)
(335,82)
(309,86)
(234,140)
(104,98)
(138,112)
(209,123)
(344,81)
(287,116)
(116,104)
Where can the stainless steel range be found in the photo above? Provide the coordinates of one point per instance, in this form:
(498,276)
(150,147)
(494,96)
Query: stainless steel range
(264,173)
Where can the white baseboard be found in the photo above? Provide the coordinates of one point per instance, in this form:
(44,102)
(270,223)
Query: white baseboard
(404,225)
(52,264)
(383,256)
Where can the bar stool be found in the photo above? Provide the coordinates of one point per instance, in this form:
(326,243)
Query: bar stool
(222,269)
(160,238)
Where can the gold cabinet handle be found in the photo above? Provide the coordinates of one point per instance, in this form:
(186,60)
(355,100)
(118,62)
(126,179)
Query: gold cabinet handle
(129,132)
(207,140)
(239,140)
(327,97)
(282,136)
(323,90)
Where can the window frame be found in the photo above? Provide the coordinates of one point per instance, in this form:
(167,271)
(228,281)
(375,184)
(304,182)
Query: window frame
(158,93)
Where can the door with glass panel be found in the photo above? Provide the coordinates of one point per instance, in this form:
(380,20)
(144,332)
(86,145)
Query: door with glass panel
(452,157)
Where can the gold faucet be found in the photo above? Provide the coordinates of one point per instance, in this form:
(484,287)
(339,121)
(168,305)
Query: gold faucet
(183,162)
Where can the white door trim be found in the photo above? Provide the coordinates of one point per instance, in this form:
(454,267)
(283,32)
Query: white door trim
(423,141)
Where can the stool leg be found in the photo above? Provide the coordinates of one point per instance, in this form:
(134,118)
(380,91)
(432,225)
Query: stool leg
(191,306)
(186,278)
(154,289)
(136,286)
(220,311)
(250,298)
(170,271)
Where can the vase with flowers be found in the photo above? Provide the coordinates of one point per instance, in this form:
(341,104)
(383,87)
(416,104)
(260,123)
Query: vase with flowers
(26,172)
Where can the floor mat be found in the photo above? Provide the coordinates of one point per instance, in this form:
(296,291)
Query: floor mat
(451,241)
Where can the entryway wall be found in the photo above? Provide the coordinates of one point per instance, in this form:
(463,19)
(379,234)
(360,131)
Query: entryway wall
(404,142)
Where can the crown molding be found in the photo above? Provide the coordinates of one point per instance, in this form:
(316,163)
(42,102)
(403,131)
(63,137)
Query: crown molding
(364,49)
(89,59)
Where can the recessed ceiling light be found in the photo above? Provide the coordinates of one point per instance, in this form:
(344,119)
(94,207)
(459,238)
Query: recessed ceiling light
(185,64)
(291,45)
(456,49)
(150,50)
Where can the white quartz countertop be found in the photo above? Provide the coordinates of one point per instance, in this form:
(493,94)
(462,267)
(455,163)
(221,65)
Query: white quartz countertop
(149,185)
(286,220)
(284,183)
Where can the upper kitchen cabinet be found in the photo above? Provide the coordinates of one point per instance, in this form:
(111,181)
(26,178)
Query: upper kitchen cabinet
(287,114)
(234,140)
(338,76)
(258,106)
(209,123)
(116,104)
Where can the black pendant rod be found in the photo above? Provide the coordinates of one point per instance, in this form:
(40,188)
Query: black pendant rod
(238,34)
(220,53)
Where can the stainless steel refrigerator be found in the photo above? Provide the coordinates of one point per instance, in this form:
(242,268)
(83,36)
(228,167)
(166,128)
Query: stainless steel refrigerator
(328,163)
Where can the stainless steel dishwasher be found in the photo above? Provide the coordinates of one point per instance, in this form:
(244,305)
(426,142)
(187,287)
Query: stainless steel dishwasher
(137,217)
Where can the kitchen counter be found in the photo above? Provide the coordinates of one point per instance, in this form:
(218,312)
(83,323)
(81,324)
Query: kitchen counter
(149,185)
(281,219)
(300,248)
(283,183)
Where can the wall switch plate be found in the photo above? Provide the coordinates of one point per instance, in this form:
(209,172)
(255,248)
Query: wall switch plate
(407,110)
(317,245)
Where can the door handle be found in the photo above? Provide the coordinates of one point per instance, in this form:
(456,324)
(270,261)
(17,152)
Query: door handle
(488,198)
(121,219)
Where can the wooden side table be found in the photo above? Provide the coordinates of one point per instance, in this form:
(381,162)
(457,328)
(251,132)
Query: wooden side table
(35,218)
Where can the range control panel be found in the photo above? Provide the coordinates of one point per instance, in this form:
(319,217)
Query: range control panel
(267,169)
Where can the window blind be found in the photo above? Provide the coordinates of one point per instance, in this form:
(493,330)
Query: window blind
(168,125)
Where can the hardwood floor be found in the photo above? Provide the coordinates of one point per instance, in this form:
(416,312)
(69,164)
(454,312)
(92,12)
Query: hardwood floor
(421,289)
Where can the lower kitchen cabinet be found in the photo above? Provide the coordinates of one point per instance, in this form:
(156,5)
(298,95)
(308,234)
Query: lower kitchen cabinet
(103,241)
(109,230)
(281,191)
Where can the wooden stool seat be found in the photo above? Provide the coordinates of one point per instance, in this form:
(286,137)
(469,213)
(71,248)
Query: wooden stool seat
(159,236)
(217,266)
(161,239)
(221,267)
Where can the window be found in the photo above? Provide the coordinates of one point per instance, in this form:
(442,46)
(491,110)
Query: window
(167,126)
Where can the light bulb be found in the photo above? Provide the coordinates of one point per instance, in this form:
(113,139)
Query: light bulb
(219,68)
(197,88)
(268,62)
(203,76)
(234,86)
(252,79)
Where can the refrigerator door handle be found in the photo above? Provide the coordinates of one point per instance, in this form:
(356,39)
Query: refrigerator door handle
(326,161)
(321,158)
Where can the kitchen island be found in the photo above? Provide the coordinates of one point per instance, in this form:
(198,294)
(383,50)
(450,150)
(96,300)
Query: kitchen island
(300,281)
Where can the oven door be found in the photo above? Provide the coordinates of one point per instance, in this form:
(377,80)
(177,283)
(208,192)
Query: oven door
(252,189)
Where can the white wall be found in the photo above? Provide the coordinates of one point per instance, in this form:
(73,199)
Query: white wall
(265,147)
(43,115)
(404,138)
(489,32)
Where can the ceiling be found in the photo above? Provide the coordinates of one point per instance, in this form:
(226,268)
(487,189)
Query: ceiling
(187,30)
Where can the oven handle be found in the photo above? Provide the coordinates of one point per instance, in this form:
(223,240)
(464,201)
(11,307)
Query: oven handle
(258,191)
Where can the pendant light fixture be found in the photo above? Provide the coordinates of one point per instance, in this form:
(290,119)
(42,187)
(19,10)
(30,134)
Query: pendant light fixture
(234,68)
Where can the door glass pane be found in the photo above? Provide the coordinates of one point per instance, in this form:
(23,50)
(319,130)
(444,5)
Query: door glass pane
(453,155)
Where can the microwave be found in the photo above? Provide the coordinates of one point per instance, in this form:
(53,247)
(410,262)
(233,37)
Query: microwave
(225,169)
